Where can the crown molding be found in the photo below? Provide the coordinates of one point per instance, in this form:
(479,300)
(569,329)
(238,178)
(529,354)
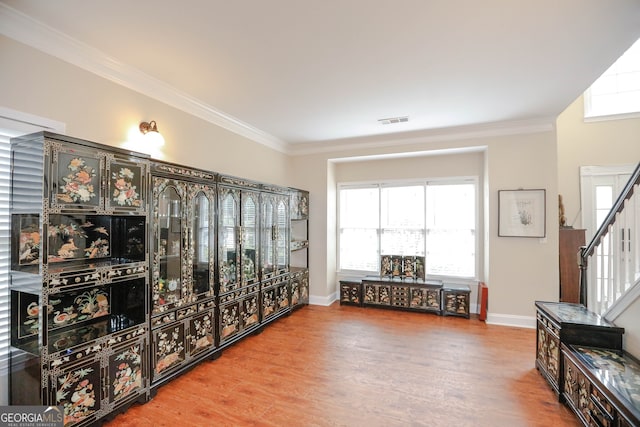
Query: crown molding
(487,130)
(24,29)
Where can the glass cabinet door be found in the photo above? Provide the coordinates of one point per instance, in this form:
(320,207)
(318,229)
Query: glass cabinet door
(201,249)
(266,241)
(168,283)
(227,240)
(249,239)
(282,236)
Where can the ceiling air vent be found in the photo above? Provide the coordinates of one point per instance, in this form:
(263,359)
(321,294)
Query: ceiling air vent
(392,120)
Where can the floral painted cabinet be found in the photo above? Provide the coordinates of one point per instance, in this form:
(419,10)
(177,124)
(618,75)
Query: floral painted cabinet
(238,237)
(299,252)
(79,274)
(98,381)
(183,269)
(238,258)
(300,289)
(183,237)
(275,234)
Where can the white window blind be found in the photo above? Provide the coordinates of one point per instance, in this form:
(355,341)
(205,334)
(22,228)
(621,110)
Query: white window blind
(437,220)
(359,223)
(451,225)
(402,220)
(5,243)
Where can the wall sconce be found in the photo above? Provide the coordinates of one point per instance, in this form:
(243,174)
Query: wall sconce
(151,134)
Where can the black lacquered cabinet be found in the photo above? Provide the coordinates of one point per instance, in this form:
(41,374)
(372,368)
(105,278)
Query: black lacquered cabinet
(407,294)
(299,247)
(351,292)
(601,386)
(127,271)
(567,323)
(183,306)
(80,276)
(238,257)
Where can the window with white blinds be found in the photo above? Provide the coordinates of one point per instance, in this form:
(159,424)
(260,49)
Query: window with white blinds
(5,225)
(435,219)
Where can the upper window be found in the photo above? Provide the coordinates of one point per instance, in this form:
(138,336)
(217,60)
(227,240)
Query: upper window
(435,219)
(617,91)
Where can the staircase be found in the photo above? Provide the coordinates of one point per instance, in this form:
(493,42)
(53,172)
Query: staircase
(610,263)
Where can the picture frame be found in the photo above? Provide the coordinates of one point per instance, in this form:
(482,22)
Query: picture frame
(522,213)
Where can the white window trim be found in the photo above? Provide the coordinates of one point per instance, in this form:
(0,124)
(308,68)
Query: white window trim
(347,273)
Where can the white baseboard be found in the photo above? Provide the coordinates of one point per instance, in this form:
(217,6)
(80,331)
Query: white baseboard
(324,301)
(511,320)
(328,300)
(492,319)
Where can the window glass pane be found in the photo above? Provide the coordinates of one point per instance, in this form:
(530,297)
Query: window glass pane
(604,202)
(402,220)
(402,207)
(617,91)
(451,236)
(359,207)
(359,222)
(359,249)
(437,221)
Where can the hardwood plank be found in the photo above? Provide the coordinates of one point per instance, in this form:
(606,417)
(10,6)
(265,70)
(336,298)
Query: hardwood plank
(350,366)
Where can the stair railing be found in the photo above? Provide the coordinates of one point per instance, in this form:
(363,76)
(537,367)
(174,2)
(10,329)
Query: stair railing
(609,286)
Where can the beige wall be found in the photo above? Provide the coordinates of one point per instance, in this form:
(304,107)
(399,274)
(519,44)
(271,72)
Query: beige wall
(99,110)
(522,270)
(517,270)
(600,143)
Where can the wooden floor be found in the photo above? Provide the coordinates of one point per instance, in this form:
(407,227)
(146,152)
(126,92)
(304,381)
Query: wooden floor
(350,366)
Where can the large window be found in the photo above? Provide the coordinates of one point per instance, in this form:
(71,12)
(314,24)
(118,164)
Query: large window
(435,219)
(617,91)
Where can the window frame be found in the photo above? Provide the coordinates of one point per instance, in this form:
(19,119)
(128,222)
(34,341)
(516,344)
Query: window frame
(474,180)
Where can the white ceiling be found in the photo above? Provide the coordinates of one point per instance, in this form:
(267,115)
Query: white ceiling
(297,71)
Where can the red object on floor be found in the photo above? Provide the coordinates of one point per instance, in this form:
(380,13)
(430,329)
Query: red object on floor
(483,299)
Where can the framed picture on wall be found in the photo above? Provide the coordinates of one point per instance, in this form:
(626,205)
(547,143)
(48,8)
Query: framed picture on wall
(522,213)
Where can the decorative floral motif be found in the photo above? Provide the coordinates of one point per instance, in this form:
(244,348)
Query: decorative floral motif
(250,313)
(85,306)
(29,250)
(201,333)
(227,274)
(99,248)
(71,234)
(125,192)
(83,399)
(229,321)
(78,186)
(268,302)
(170,349)
(128,374)
(248,269)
